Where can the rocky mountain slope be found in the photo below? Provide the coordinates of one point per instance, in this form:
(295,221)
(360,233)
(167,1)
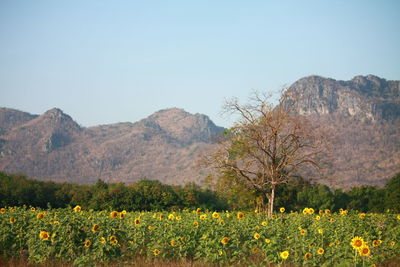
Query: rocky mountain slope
(362,119)
(52,146)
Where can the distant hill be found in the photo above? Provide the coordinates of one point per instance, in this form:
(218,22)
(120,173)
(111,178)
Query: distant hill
(53,146)
(362,117)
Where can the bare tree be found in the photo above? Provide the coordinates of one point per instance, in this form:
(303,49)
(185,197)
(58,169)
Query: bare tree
(267,145)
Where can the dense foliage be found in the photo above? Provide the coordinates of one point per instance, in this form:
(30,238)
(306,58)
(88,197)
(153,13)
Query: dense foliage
(17,190)
(307,237)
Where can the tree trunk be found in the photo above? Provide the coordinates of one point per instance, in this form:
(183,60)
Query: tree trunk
(271,199)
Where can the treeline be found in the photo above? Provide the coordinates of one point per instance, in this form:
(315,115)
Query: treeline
(18,190)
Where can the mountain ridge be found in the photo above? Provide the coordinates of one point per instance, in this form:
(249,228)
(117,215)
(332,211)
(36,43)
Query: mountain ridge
(362,116)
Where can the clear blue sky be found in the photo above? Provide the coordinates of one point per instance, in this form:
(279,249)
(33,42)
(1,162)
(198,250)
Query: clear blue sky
(110,61)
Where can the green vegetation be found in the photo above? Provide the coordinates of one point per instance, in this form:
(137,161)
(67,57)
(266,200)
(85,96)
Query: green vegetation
(308,237)
(146,195)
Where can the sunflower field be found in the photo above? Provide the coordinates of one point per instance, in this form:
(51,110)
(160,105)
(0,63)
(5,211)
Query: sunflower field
(307,237)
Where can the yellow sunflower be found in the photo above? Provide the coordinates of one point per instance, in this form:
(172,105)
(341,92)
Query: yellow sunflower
(137,221)
(256,235)
(267,240)
(224,240)
(303,232)
(282,210)
(103,240)
(364,251)
(203,216)
(77,208)
(95,228)
(87,243)
(376,243)
(12,220)
(215,215)
(2,210)
(240,215)
(44,235)
(320,251)
(114,214)
(285,254)
(156,252)
(113,238)
(196,224)
(307,256)
(361,215)
(357,242)
(173,243)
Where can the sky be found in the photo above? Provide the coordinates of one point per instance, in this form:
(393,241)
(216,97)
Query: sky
(104,62)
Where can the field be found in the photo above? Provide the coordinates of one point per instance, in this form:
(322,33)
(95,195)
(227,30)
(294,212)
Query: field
(307,237)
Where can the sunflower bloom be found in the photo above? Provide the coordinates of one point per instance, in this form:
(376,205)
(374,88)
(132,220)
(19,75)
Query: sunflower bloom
(12,220)
(156,252)
(87,243)
(392,243)
(376,243)
(320,231)
(285,254)
(364,251)
(305,211)
(102,240)
(307,256)
(137,221)
(44,235)
(215,215)
(113,238)
(114,214)
(95,228)
(303,232)
(2,210)
(196,224)
(171,216)
(320,251)
(224,240)
(361,215)
(173,243)
(256,236)
(357,242)
(264,223)
(267,240)
(240,215)
(203,217)
(77,208)
(282,210)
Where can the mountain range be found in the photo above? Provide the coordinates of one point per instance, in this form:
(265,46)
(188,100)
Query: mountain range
(362,117)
